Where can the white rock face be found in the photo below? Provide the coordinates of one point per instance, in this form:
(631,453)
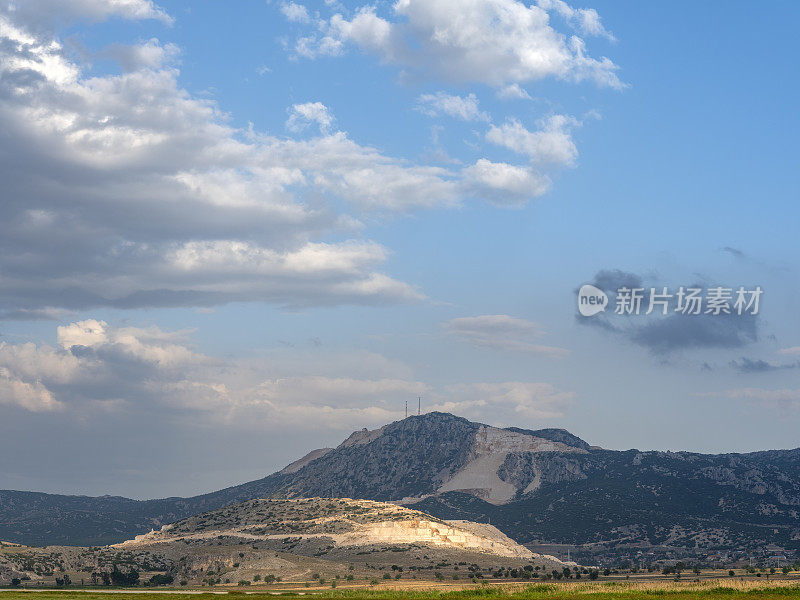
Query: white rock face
(489,450)
(452,534)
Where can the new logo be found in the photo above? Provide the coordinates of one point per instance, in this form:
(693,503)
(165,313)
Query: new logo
(591,300)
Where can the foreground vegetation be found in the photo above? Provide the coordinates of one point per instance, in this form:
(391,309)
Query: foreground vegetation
(621,590)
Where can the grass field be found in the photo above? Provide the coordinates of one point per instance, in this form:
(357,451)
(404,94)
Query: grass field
(652,590)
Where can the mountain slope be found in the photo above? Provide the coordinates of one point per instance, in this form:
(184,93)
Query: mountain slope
(536,486)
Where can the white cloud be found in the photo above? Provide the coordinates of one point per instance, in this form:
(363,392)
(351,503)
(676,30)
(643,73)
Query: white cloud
(495,42)
(551,144)
(585,20)
(493,402)
(302,115)
(166,350)
(39,13)
(295,13)
(513,92)
(459,107)
(502,332)
(505,184)
(31,396)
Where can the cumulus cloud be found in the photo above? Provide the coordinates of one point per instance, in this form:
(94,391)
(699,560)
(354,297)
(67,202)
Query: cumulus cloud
(32,396)
(495,42)
(302,115)
(502,332)
(127,191)
(94,363)
(459,107)
(552,144)
(505,184)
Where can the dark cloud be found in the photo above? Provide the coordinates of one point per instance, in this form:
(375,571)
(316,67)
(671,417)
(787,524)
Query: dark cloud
(611,280)
(673,332)
(677,332)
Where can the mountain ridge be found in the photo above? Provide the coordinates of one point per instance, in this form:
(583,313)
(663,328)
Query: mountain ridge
(537,486)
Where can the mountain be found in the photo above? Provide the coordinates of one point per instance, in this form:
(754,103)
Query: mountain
(537,486)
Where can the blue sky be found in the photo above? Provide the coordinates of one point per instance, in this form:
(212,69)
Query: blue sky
(234,232)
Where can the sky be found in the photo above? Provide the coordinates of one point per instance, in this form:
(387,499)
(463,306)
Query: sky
(233,232)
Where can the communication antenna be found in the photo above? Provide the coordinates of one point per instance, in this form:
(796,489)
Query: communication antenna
(419,405)
(406,409)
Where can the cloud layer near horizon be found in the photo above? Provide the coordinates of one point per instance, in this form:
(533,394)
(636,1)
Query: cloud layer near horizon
(98,367)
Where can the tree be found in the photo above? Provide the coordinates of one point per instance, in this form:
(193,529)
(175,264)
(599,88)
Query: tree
(159,579)
(594,574)
(124,579)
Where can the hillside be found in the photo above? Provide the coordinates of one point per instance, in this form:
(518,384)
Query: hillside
(537,486)
(316,523)
(301,540)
